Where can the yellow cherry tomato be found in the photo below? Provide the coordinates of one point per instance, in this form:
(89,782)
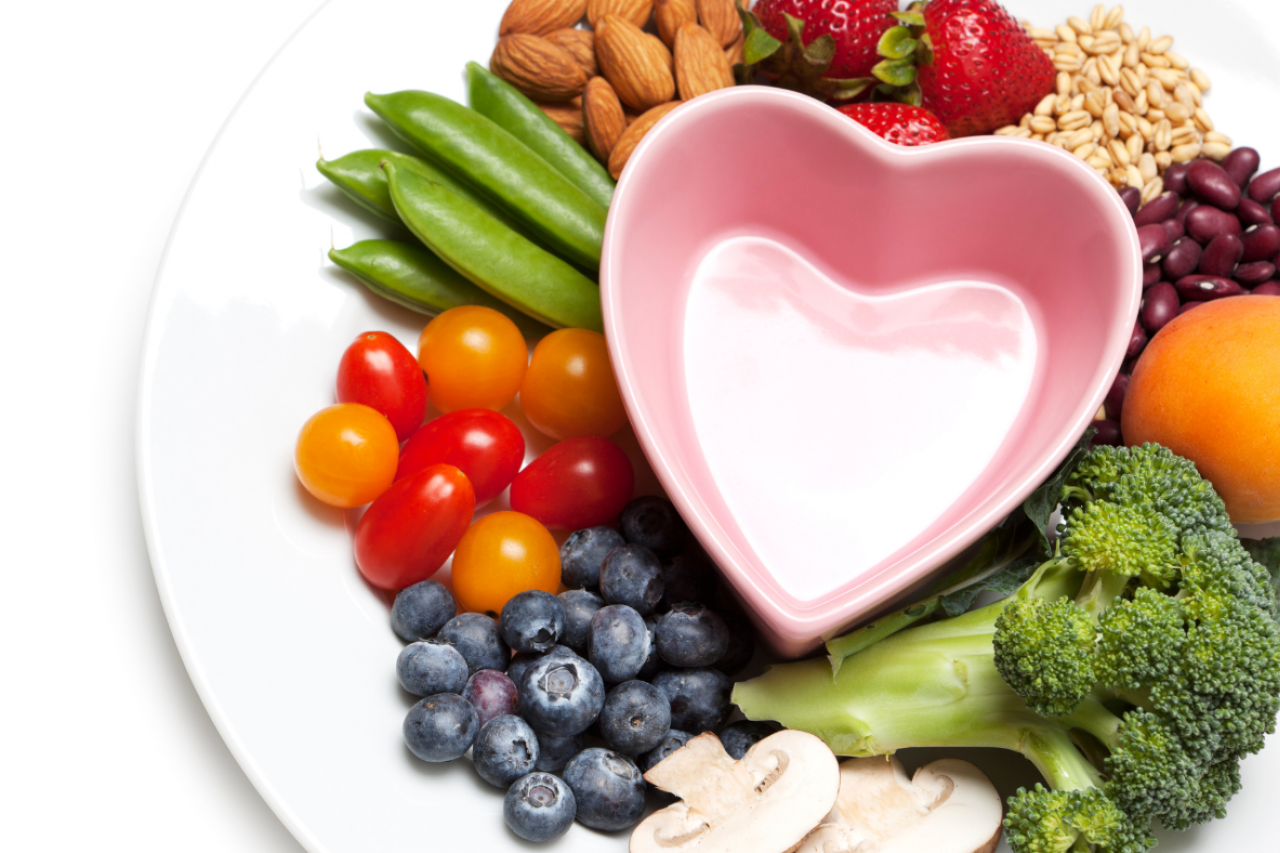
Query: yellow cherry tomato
(501,555)
(474,358)
(347,455)
(569,389)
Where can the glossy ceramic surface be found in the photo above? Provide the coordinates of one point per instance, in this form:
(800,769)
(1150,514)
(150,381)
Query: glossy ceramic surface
(846,377)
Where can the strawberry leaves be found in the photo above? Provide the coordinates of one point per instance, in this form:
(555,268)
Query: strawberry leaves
(792,64)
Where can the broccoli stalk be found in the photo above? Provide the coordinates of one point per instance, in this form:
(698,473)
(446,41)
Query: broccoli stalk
(1135,666)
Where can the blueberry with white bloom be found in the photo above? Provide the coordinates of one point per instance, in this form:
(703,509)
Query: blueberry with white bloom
(699,697)
(430,667)
(632,575)
(608,788)
(532,621)
(619,643)
(554,751)
(691,635)
(579,606)
(561,694)
(440,728)
(583,552)
(505,750)
(419,611)
(635,718)
(539,807)
(477,637)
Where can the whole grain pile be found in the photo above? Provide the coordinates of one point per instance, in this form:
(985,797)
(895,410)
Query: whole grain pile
(1125,103)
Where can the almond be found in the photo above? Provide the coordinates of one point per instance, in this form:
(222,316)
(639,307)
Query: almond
(581,43)
(720,18)
(539,17)
(568,116)
(602,118)
(701,65)
(542,70)
(671,14)
(636,64)
(634,133)
(635,11)
(734,52)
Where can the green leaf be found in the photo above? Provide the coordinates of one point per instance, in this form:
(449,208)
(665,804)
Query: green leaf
(759,46)
(911,19)
(819,53)
(795,28)
(897,43)
(844,90)
(895,72)
(1041,503)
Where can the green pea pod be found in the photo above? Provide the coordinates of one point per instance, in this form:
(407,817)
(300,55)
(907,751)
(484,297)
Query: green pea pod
(497,99)
(409,275)
(493,256)
(473,148)
(359,175)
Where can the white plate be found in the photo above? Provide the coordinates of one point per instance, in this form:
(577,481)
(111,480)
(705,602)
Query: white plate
(290,651)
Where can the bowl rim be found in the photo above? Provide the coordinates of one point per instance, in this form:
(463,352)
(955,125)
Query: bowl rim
(791,626)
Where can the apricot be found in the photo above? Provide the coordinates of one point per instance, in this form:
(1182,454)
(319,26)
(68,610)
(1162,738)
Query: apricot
(1208,388)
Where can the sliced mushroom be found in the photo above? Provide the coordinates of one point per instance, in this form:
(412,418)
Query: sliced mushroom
(765,803)
(949,807)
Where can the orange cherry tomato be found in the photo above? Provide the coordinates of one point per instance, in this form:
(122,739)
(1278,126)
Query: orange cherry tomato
(347,455)
(474,358)
(501,555)
(569,389)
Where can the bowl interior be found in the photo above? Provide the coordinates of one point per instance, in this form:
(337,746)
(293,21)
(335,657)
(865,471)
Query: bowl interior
(847,360)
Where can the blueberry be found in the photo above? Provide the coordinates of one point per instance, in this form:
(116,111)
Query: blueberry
(492,694)
(608,788)
(477,637)
(561,694)
(653,662)
(583,552)
(518,665)
(669,744)
(687,578)
(632,575)
(431,667)
(635,718)
(654,523)
(532,621)
(505,750)
(742,646)
(554,752)
(619,642)
(699,697)
(440,728)
(579,606)
(420,610)
(691,635)
(539,807)
(740,736)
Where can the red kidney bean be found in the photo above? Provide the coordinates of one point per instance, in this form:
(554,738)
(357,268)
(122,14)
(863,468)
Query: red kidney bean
(1159,305)
(1254,274)
(1265,187)
(1212,184)
(1115,397)
(1150,274)
(1175,178)
(1185,211)
(1175,230)
(1108,434)
(1154,242)
(1205,222)
(1252,213)
(1261,243)
(1137,341)
(1241,164)
(1221,256)
(1275,209)
(1271,288)
(1182,259)
(1132,198)
(1159,209)
(1202,288)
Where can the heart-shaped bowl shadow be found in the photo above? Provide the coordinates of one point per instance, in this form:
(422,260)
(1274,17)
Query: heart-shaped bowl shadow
(847,360)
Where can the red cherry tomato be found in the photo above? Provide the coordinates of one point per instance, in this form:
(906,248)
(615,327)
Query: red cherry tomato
(582,482)
(486,445)
(379,372)
(406,534)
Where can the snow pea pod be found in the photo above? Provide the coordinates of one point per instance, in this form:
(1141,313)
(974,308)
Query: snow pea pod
(493,256)
(411,276)
(475,149)
(359,175)
(497,99)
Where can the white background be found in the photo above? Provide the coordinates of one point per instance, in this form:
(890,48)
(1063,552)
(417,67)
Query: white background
(106,110)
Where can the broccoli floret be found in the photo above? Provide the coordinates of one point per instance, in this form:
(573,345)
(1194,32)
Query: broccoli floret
(1135,668)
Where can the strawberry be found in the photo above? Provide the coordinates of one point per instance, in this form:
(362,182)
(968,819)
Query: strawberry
(901,124)
(856,28)
(985,71)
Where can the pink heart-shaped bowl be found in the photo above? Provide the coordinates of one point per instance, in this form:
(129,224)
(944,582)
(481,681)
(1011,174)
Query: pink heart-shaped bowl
(848,360)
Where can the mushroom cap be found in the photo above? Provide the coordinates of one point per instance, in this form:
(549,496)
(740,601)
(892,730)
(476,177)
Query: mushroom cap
(765,803)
